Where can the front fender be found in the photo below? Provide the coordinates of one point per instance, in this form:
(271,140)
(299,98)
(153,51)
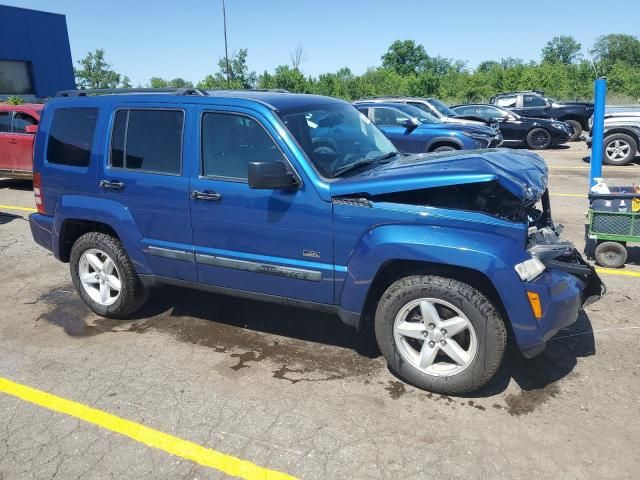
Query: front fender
(490,254)
(102,210)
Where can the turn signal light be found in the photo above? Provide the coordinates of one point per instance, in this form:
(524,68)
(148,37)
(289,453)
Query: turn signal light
(536,306)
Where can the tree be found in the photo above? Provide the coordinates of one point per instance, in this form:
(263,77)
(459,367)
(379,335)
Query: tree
(285,77)
(95,72)
(405,57)
(298,56)
(609,49)
(239,74)
(562,49)
(159,82)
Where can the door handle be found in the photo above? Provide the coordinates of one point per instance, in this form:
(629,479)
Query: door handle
(111,185)
(205,195)
(13,141)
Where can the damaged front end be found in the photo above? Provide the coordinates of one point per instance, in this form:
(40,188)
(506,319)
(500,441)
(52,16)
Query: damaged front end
(545,243)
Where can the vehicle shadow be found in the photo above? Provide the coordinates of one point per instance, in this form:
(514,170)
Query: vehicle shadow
(16,184)
(7,217)
(292,322)
(541,372)
(557,361)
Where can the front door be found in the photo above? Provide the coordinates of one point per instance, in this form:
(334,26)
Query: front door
(390,122)
(274,242)
(145,174)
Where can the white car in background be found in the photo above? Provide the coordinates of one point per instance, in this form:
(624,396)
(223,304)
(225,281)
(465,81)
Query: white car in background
(621,135)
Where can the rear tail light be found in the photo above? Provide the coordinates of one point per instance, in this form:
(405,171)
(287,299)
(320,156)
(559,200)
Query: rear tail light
(37,192)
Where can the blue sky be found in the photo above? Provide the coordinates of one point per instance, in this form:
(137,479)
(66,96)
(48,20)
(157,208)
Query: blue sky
(185,38)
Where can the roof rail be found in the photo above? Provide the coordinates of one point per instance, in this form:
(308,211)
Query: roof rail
(120,91)
(271,90)
(541,92)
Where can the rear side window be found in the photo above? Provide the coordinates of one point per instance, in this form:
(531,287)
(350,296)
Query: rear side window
(148,140)
(71,136)
(5,122)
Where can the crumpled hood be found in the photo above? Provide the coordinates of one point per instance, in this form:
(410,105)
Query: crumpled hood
(522,173)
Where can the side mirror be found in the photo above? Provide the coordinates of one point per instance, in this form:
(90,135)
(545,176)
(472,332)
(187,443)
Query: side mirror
(411,123)
(32,129)
(270,176)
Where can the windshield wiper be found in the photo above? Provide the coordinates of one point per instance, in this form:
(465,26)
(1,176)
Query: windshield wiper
(362,162)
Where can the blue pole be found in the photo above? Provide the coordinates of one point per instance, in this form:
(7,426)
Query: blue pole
(597,131)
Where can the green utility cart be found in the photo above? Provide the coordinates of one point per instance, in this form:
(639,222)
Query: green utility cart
(614,221)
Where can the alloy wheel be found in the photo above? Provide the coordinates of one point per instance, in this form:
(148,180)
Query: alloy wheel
(618,150)
(99,277)
(435,337)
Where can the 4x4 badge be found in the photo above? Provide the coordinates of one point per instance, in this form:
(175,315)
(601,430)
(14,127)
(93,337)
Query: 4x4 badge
(310,253)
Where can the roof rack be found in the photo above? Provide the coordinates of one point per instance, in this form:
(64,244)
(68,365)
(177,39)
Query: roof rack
(268,90)
(120,91)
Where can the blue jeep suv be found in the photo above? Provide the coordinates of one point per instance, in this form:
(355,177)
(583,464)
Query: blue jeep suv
(413,130)
(300,199)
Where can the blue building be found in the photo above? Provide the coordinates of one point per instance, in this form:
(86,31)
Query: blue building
(35,57)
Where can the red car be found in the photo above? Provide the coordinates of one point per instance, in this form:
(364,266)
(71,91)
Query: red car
(18,125)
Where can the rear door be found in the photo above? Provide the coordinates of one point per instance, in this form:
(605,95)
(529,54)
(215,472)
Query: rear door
(144,171)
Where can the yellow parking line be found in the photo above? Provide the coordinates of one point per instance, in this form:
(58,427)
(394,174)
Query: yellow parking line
(175,446)
(577,195)
(612,271)
(12,207)
(605,167)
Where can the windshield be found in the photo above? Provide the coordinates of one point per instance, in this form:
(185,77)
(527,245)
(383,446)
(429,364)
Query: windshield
(441,107)
(336,135)
(418,113)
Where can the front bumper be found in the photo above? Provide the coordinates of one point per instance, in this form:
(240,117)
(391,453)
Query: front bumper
(567,286)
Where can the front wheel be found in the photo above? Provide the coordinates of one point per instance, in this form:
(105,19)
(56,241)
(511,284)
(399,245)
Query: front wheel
(104,276)
(538,139)
(445,148)
(440,334)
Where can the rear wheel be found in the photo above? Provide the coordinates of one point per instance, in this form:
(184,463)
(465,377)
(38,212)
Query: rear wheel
(611,254)
(577,129)
(538,139)
(439,334)
(619,149)
(104,276)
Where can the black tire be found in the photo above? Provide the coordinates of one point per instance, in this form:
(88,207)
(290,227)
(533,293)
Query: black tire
(486,321)
(611,254)
(619,149)
(577,130)
(538,139)
(445,148)
(132,293)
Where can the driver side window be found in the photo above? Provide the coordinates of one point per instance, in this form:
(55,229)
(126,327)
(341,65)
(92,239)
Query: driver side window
(389,117)
(533,101)
(230,142)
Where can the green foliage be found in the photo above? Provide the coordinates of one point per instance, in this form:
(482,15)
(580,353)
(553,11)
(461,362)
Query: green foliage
(95,72)
(15,100)
(239,74)
(562,49)
(405,57)
(158,82)
(615,48)
(407,69)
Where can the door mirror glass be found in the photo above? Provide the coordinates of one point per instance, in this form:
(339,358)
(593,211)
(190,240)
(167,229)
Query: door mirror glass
(270,176)
(32,129)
